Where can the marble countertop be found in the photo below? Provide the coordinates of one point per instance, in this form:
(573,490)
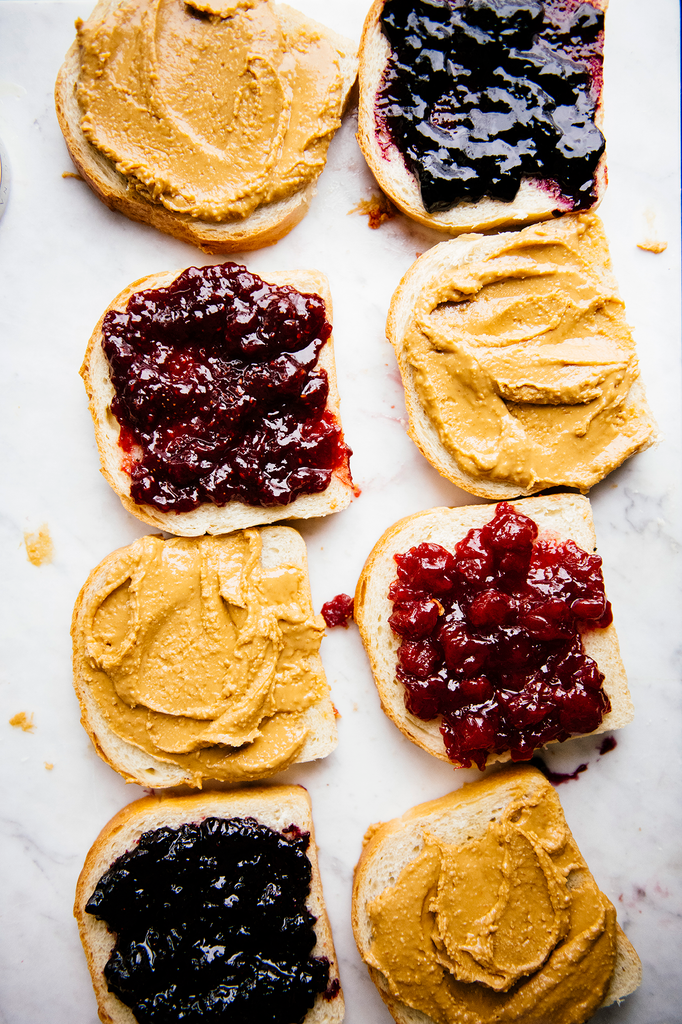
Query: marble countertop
(63,256)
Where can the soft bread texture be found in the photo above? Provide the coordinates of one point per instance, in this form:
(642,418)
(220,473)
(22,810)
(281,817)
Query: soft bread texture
(437,265)
(265,226)
(558,516)
(532,202)
(275,806)
(281,546)
(207,518)
(455,819)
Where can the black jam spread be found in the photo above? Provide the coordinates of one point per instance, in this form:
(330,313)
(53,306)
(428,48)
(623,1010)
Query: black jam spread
(491,638)
(478,93)
(211,925)
(218,393)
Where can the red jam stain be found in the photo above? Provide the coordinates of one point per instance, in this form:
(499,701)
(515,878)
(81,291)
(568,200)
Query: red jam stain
(556,778)
(338,611)
(491,638)
(607,745)
(219,394)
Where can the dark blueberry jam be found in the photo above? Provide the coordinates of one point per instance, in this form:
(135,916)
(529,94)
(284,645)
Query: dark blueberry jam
(491,638)
(211,925)
(218,392)
(478,93)
(338,611)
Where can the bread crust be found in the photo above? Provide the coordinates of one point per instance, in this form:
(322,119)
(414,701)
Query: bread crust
(561,516)
(265,226)
(389,846)
(531,204)
(207,518)
(436,265)
(274,806)
(280,546)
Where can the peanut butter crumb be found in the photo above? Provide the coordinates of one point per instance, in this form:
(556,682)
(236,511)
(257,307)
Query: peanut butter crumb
(652,246)
(23,721)
(48,766)
(377,209)
(72,174)
(39,548)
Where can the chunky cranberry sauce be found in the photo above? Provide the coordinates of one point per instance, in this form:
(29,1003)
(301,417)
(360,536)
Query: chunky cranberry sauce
(218,392)
(211,925)
(338,611)
(478,93)
(491,638)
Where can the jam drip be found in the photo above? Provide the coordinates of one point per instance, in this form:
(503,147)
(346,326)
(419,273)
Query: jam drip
(218,392)
(212,926)
(477,94)
(491,638)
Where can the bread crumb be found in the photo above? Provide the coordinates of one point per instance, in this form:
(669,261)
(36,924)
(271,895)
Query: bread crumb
(48,766)
(652,246)
(72,174)
(377,209)
(39,547)
(23,721)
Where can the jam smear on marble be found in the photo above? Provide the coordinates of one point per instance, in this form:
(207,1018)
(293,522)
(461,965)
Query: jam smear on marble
(478,93)
(338,611)
(491,638)
(557,778)
(218,393)
(211,925)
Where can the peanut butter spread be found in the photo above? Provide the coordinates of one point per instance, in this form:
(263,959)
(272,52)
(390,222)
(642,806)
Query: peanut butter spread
(210,107)
(199,655)
(524,362)
(507,926)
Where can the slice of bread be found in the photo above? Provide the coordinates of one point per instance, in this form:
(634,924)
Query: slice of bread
(558,516)
(532,203)
(315,733)
(456,819)
(207,518)
(265,226)
(633,428)
(278,807)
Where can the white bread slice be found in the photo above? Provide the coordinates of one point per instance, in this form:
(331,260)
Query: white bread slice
(455,819)
(265,226)
(207,518)
(559,516)
(280,546)
(274,806)
(437,265)
(532,203)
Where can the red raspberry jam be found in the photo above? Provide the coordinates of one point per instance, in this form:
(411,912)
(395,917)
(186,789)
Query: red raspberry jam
(218,392)
(491,638)
(338,611)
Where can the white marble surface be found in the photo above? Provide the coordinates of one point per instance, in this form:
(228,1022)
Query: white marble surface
(63,256)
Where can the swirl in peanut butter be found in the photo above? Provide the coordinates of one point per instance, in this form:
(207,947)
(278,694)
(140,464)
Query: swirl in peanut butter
(211,108)
(525,364)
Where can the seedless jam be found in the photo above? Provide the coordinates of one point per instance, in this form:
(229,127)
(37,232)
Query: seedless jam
(218,392)
(478,93)
(211,925)
(491,638)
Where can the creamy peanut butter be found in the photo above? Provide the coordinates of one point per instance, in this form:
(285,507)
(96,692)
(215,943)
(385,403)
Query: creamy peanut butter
(508,926)
(210,107)
(524,361)
(197,654)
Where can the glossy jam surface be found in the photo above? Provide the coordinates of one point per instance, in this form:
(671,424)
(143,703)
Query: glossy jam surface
(338,611)
(478,93)
(491,638)
(211,925)
(218,392)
